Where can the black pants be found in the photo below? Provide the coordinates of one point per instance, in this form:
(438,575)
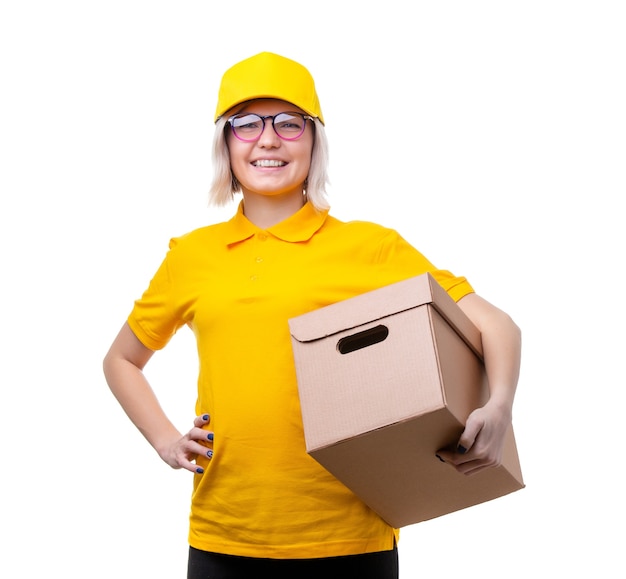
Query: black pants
(381,565)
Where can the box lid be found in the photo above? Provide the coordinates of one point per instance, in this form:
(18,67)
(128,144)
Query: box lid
(381,303)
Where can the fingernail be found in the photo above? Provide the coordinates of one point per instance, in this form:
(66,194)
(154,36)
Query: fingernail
(205,417)
(200,470)
(461,449)
(210,436)
(209,453)
(441,459)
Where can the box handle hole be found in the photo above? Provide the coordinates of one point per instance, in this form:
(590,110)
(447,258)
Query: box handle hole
(362,339)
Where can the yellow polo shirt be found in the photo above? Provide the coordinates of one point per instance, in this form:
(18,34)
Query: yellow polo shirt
(235,286)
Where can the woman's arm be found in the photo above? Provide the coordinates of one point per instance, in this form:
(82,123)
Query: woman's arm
(482,441)
(123,368)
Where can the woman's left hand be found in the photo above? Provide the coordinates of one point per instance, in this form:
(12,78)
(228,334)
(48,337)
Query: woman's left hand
(482,442)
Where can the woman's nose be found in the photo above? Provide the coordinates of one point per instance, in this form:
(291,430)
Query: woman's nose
(268,137)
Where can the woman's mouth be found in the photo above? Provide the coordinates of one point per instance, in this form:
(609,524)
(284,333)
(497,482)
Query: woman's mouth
(268,163)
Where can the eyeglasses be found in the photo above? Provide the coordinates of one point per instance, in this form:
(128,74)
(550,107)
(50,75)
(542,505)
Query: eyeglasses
(249,127)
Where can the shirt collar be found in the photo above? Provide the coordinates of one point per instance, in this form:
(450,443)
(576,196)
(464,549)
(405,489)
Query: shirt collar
(301,226)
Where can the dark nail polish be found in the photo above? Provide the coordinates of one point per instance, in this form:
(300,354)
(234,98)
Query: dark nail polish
(200,470)
(461,449)
(205,417)
(210,436)
(209,453)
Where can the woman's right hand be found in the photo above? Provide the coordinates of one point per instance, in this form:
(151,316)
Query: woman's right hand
(123,367)
(198,441)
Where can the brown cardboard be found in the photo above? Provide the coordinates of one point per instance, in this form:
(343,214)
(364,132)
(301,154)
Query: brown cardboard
(376,416)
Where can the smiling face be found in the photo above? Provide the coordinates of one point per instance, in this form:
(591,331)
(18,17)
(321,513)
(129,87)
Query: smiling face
(271,166)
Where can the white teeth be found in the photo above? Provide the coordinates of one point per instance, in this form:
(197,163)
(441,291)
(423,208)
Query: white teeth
(268,163)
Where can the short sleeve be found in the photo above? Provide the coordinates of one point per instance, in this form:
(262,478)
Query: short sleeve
(155,317)
(398,254)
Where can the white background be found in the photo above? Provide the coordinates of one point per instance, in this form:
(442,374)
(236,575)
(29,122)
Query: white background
(491,134)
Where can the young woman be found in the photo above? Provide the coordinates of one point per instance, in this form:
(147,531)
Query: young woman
(260,503)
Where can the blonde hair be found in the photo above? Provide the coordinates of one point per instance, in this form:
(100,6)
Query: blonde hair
(224,185)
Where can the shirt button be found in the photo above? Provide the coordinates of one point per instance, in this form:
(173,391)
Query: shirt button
(259,259)
(263,236)
(253,278)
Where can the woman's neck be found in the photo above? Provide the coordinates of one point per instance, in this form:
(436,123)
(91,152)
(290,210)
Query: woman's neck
(267,210)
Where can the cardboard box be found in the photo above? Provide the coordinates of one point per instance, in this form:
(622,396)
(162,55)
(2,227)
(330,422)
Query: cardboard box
(386,379)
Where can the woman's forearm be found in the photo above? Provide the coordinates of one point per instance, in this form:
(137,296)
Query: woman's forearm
(123,369)
(501,341)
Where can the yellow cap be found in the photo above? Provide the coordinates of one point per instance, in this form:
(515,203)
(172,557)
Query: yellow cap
(268,75)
